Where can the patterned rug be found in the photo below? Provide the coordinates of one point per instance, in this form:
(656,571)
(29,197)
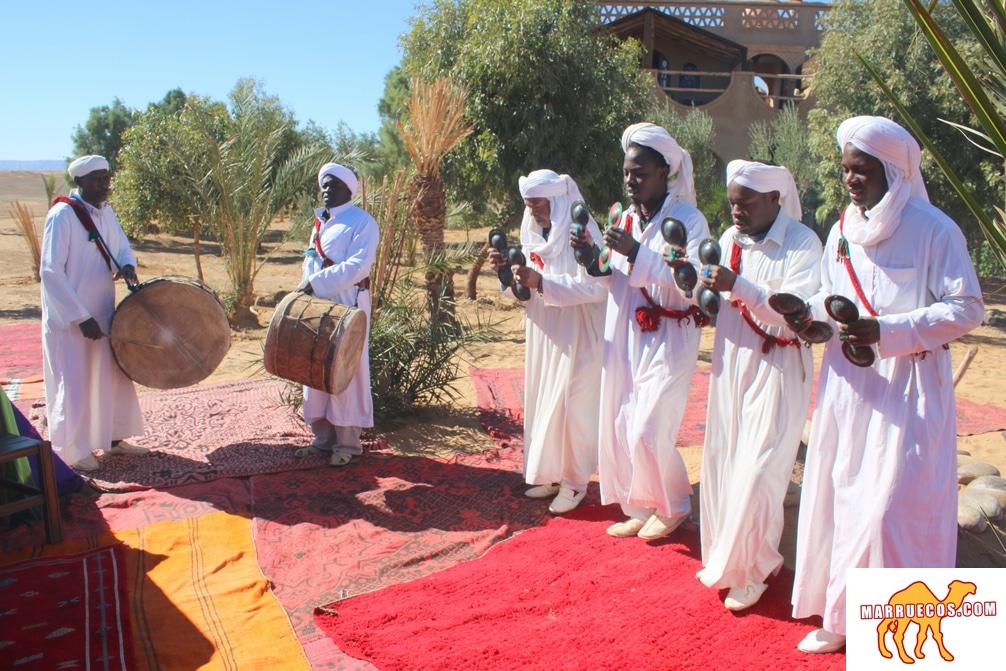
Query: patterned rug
(326,534)
(20,351)
(566,597)
(66,612)
(205,432)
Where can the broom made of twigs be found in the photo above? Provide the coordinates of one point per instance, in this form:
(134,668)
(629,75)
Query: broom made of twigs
(26,226)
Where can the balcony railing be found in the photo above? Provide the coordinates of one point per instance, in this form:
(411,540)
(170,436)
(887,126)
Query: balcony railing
(779,89)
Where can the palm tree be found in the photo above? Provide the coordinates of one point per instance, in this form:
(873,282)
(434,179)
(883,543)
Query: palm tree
(435,126)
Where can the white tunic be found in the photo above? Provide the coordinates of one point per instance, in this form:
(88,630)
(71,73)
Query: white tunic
(880,485)
(645,379)
(349,239)
(89,401)
(562,368)
(757,407)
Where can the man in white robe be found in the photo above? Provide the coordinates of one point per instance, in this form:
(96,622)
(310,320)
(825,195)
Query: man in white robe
(761,381)
(337,267)
(90,404)
(880,485)
(651,340)
(564,340)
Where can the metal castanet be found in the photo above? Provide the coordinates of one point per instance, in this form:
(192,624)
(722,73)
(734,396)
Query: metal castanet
(587,254)
(708,300)
(790,305)
(709,255)
(516,258)
(498,241)
(169,332)
(676,235)
(844,311)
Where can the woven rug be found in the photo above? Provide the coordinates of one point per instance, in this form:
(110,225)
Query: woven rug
(197,598)
(206,432)
(20,351)
(566,596)
(66,612)
(324,534)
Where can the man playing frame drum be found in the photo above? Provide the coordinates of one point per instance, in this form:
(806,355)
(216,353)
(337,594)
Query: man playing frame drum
(337,268)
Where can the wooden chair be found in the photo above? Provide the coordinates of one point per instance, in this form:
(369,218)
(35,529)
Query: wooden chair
(14,447)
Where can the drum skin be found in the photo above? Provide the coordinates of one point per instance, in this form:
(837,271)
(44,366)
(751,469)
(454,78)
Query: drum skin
(184,319)
(315,342)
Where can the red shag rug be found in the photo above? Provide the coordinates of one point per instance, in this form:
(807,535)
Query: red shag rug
(66,612)
(20,350)
(567,596)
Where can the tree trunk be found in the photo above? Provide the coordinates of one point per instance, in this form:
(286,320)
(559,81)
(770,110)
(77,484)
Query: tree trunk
(429,210)
(195,249)
(473,276)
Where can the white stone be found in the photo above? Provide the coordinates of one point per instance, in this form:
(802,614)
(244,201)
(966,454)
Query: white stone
(982,501)
(975,469)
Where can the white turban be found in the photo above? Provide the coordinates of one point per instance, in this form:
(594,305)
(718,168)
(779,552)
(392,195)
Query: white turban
(765,179)
(895,147)
(341,173)
(85,165)
(680,183)
(561,192)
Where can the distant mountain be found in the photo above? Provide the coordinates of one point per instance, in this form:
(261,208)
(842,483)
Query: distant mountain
(34,166)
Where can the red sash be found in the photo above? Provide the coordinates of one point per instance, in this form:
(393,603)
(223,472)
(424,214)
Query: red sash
(770,340)
(92,231)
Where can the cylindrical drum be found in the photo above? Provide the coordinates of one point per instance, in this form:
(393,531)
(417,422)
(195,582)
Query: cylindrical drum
(315,342)
(170,332)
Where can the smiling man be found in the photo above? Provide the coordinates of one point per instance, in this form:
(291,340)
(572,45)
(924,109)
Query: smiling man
(90,404)
(880,484)
(761,381)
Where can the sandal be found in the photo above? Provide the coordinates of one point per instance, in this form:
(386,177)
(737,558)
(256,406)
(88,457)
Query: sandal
(340,458)
(309,451)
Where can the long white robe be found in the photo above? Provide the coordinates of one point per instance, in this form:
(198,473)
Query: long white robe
(757,407)
(645,377)
(880,485)
(562,368)
(349,239)
(89,401)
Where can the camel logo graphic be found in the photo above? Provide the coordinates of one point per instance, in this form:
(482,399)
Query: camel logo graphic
(916,604)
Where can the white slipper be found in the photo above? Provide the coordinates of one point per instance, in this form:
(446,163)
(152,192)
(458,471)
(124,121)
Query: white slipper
(542,491)
(741,598)
(340,458)
(820,641)
(122,449)
(566,500)
(629,527)
(87,464)
(659,526)
(310,451)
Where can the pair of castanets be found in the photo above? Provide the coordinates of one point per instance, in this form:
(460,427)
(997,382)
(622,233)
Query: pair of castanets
(685,276)
(514,257)
(839,308)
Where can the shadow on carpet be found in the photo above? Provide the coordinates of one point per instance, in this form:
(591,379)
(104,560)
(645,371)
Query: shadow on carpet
(566,596)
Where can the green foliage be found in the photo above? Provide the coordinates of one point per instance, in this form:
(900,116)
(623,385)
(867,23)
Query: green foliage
(786,142)
(102,132)
(546,88)
(391,150)
(884,34)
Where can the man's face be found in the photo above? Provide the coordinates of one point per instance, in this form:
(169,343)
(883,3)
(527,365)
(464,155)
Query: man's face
(645,181)
(334,191)
(864,177)
(94,186)
(752,211)
(540,210)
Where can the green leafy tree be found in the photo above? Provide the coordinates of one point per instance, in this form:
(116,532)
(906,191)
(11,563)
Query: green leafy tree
(786,142)
(547,89)
(391,150)
(102,132)
(884,34)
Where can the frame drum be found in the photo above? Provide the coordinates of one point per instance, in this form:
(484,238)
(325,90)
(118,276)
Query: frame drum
(185,325)
(315,342)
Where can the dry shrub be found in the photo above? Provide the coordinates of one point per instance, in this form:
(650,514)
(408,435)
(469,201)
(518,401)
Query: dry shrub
(25,221)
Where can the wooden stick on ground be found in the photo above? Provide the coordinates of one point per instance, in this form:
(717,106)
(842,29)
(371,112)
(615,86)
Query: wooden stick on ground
(965,362)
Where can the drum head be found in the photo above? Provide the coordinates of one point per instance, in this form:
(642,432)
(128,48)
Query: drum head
(169,333)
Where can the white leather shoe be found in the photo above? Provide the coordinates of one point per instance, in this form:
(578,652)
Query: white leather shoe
(566,500)
(821,640)
(542,491)
(659,526)
(124,449)
(740,598)
(87,464)
(629,527)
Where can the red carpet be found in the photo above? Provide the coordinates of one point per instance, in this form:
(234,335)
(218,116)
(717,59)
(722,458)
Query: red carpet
(20,350)
(66,612)
(567,596)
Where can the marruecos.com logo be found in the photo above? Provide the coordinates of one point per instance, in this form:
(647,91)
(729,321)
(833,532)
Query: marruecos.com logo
(929,618)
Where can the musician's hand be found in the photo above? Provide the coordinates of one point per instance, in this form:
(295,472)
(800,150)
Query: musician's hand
(717,278)
(620,240)
(528,277)
(862,332)
(584,237)
(496,260)
(128,273)
(90,329)
(798,321)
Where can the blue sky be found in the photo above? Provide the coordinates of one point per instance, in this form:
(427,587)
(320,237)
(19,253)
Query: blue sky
(326,60)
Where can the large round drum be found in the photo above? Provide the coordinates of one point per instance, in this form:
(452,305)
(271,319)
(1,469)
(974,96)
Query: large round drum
(170,332)
(315,342)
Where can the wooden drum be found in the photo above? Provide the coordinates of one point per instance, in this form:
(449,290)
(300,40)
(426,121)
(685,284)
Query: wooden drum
(170,332)
(315,342)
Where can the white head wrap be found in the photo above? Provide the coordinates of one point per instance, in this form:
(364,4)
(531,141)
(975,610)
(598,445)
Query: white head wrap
(765,179)
(680,183)
(342,173)
(895,147)
(85,165)
(561,192)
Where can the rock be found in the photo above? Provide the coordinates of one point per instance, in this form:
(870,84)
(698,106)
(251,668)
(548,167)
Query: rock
(975,469)
(964,453)
(982,501)
(990,484)
(970,518)
(964,459)
(995,318)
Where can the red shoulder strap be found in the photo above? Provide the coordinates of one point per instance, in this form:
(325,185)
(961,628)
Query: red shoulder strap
(85,218)
(843,256)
